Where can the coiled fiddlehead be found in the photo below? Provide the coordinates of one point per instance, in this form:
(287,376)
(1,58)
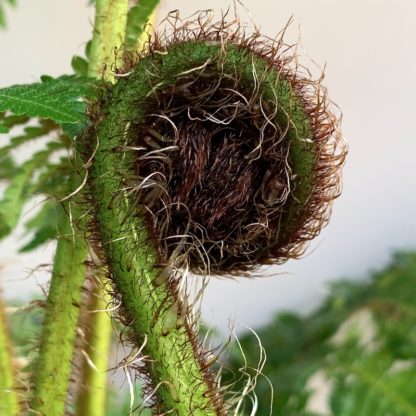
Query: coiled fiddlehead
(213,152)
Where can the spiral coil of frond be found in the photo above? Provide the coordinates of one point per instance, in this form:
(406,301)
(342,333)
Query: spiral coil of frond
(236,153)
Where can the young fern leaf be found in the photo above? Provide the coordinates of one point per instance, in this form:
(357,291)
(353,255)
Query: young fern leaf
(209,155)
(80,66)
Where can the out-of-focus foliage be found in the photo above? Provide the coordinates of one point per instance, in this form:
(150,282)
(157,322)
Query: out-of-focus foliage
(2,12)
(354,356)
(44,173)
(24,323)
(117,407)
(137,19)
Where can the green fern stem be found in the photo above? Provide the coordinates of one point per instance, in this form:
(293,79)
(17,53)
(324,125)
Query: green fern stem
(108,35)
(9,401)
(150,309)
(92,396)
(53,365)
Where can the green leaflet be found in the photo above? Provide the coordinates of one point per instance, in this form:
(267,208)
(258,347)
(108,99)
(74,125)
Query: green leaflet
(377,389)
(59,99)
(22,186)
(12,120)
(79,65)
(16,193)
(137,18)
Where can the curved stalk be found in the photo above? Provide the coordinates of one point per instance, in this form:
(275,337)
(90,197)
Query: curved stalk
(9,401)
(108,34)
(152,308)
(175,366)
(53,365)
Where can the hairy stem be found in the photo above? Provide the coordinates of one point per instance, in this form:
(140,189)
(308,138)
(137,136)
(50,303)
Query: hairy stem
(109,29)
(92,397)
(9,401)
(53,366)
(152,308)
(108,35)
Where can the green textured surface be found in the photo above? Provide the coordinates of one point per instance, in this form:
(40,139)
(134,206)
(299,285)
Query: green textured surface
(109,28)
(53,366)
(147,307)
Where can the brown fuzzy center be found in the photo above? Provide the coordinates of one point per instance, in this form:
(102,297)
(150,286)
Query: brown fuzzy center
(213,165)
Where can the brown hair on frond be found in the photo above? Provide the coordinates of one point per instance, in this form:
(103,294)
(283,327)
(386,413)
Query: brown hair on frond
(228,178)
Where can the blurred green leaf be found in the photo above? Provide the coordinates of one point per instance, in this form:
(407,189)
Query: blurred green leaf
(44,225)
(15,195)
(29,133)
(2,13)
(3,128)
(24,323)
(137,18)
(12,120)
(9,121)
(362,338)
(7,168)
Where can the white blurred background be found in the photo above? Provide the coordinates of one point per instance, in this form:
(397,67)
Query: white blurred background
(368,48)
